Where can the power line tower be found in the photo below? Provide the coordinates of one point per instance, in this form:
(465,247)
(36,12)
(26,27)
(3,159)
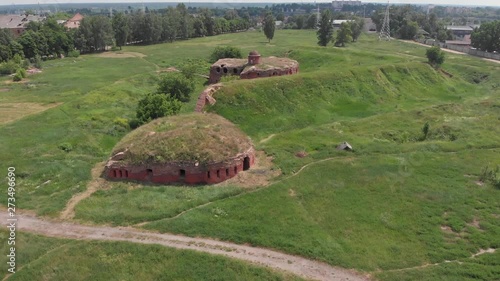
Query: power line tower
(385,32)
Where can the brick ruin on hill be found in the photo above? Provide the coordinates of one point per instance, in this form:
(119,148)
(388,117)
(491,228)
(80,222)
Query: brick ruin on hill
(179,172)
(253,67)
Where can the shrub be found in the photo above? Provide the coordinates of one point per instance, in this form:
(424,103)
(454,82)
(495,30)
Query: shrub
(17,77)
(22,72)
(122,122)
(37,62)
(221,52)
(491,175)
(176,85)
(65,146)
(134,123)
(156,105)
(9,67)
(435,56)
(190,67)
(73,54)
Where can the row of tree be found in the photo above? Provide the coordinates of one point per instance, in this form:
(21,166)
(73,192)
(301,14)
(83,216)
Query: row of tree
(348,31)
(96,33)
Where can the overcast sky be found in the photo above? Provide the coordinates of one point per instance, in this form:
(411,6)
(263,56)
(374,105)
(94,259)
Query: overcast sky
(436,2)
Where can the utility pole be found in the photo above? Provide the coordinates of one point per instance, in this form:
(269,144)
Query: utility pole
(385,32)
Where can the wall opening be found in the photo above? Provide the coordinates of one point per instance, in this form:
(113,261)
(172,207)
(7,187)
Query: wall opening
(246,163)
(182,174)
(126,173)
(208,174)
(114,173)
(149,174)
(217,69)
(224,69)
(218,173)
(235,170)
(119,173)
(235,70)
(227,172)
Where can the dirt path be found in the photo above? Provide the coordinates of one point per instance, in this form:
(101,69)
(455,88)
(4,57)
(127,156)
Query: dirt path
(268,258)
(92,186)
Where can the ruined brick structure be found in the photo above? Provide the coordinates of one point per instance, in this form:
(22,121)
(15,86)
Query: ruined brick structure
(154,154)
(181,172)
(253,67)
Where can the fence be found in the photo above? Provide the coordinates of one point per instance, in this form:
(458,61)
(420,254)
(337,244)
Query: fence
(461,49)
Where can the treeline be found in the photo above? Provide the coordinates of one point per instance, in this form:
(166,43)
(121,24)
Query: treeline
(96,33)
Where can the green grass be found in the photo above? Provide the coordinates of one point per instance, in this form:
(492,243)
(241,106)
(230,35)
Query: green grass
(374,212)
(55,259)
(147,203)
(380,208)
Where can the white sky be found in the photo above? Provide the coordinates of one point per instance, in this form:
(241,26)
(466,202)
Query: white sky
(435,2)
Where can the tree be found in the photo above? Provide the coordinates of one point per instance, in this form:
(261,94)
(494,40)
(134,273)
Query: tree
(269,26)
(356,28)
(121,29)
(311,22)
(343,35)
(176,85)
(408,30)
(435,56)
(325,31)
(487,37)
(154,106)
(221,52)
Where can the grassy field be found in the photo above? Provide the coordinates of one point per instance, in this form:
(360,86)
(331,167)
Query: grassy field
(400,200)
(55,259)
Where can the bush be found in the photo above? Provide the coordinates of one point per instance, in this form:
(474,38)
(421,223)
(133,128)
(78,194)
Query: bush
(225,52)
(435,56)
(122,122)
(18,77)
(176,85)
(192,66)
(37,62)
(67,147)
(134,123)
(22,72)
(73,54)
(9,67)
(156,105)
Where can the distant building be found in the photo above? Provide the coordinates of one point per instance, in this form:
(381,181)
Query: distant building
(338,23)
(17,23)
(74,22)
(459,30)
(337,5)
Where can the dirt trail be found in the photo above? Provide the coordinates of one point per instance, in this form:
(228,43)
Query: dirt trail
(268,258)
(449,51)
(92,186)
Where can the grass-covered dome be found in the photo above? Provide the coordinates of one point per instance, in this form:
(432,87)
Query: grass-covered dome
(193,137)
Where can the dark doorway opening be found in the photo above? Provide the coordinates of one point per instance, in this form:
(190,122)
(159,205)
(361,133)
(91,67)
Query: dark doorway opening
(126,173)
(218,173)
(149,174)
(182,174)
(227,172)
(246,163)
(225,69)
(235,170)
(208,174)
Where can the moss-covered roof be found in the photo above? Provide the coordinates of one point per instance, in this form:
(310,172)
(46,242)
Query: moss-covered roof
(194,137)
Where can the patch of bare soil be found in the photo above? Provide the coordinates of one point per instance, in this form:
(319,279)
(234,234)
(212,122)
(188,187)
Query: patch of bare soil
(96,183)
(267,138)
(10,81)
(301,154)
(261,173)
(121,55)
(169,69)
(4,90)
(14,111)
(259,256)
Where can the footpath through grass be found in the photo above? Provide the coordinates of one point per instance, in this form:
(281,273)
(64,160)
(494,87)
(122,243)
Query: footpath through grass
(43,258)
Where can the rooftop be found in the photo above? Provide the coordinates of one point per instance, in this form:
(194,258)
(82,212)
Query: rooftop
(194,137)
(17,21)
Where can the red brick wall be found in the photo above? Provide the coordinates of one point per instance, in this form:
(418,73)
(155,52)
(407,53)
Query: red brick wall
(170,172)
